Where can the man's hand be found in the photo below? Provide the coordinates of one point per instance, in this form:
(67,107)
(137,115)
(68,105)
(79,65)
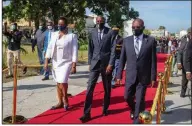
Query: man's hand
(188,76)
(5,23)
(108,69)
(73,70)
(179,66)
(118,82)
(152,84)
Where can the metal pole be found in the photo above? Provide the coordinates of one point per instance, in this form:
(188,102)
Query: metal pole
(14,93)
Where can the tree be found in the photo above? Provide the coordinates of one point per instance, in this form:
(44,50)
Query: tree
(172,34)
(147,32)
(117,11)
(162,27)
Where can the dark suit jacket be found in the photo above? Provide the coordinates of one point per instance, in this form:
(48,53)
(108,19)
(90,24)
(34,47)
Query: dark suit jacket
(39,39)
(182,51)
(188,57)
(144,67)
(103,52)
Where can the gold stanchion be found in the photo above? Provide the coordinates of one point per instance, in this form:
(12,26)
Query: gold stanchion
(14,118)
(169,73)
(165,81)
(145,117)
(14,92)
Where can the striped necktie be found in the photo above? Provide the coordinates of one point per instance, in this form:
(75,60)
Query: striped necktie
(99,36)
(137,46)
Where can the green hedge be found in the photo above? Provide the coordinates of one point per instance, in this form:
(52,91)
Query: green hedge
(83,47)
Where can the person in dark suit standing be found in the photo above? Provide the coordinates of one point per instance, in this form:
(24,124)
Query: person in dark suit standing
(181,57)
(188,59)
(139,51)
(101,58)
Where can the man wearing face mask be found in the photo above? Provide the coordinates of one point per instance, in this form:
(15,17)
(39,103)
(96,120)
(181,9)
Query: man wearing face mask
(101,58)
(39,41)
(119,42)
(14,42)
(181,58)
(48,33)
(139,54)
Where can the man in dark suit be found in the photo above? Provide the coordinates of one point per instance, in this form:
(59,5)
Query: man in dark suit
(139,51)
(188,59)
(181,57)
(101,57)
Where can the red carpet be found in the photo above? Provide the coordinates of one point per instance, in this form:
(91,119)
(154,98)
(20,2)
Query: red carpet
(119,111)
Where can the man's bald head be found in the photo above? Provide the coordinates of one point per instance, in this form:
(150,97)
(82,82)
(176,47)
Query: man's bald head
(138,26)
(100,20)
(139,21)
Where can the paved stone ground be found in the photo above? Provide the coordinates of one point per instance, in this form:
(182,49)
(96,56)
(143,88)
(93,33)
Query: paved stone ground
(35,96)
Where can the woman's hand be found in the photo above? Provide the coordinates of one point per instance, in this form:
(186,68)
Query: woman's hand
(46,64)
(73,70)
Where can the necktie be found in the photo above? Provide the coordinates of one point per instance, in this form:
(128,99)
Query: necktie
(99,36)
(137,46)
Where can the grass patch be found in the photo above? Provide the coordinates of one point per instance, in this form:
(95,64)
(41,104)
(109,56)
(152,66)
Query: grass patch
(32,59)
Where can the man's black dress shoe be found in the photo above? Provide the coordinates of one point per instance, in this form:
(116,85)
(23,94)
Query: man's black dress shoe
(105,113)
(85,118)
(182,95)
(132,115)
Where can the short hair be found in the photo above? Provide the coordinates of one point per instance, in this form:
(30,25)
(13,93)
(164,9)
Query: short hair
(64,19)
(139,20)
(42,22)
(14,23)
(101,17)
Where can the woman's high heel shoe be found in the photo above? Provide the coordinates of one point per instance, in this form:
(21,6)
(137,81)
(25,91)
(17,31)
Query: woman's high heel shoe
(66,107)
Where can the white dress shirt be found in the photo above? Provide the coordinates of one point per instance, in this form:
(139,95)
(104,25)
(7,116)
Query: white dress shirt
(101,32)
(140,39)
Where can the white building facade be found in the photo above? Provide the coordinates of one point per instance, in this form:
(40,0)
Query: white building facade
(158,33)
(182,33)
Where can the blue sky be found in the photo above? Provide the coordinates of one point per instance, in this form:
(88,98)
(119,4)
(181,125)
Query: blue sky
(174,15)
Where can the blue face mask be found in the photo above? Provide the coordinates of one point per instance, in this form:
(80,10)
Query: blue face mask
(61,28)
(13,27)
(40,27)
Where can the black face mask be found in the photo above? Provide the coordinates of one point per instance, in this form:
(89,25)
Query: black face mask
(101,25)
(137,32)
(116,32)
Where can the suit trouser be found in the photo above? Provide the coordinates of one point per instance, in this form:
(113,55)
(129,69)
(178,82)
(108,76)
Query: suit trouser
(41,60)
(46,72)
(93,77)
(184,83)
(13,55)
(137,90)
(114,73)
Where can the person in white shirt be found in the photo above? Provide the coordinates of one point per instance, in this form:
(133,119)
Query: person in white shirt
(169,46)
(174,49)
(63,50)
